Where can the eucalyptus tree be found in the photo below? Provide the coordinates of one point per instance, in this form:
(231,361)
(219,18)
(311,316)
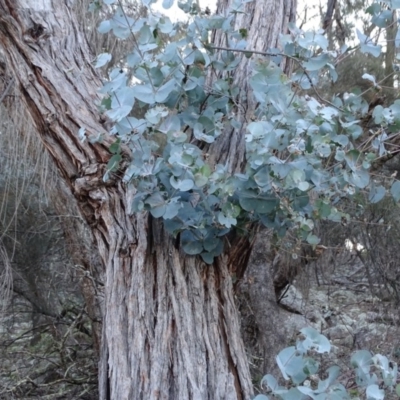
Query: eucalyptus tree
(175,218)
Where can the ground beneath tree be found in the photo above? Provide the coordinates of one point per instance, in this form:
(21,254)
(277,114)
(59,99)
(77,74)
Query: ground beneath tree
(338,300)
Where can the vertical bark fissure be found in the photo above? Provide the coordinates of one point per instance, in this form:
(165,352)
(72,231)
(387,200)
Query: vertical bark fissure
(227,344)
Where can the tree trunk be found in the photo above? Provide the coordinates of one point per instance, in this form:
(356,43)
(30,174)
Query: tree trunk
(263,21)
(390,57)
(170,326)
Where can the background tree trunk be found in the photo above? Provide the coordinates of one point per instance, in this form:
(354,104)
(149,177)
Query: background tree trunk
(390,57)
(170,325)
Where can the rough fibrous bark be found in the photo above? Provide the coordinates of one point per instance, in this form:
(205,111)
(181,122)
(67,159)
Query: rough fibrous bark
(170,326)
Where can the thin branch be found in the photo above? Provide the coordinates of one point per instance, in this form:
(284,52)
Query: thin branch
(297,61)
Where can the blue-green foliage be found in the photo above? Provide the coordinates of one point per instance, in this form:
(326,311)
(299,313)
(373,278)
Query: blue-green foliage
(294,145)
(373,373)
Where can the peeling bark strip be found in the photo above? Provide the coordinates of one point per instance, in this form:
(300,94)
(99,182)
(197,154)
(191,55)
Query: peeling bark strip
(170,329)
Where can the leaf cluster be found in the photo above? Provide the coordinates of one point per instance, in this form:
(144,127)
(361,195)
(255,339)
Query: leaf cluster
(302,155)
(373,374)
